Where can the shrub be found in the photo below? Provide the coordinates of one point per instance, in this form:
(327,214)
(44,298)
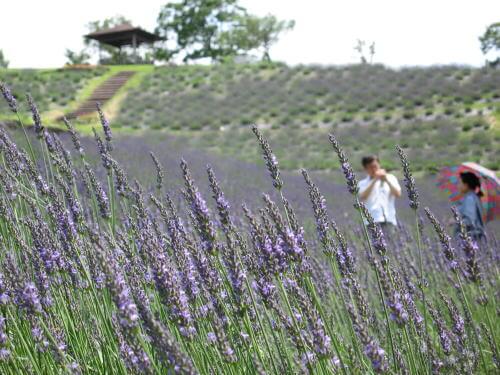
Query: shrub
(409,114)
(196,126)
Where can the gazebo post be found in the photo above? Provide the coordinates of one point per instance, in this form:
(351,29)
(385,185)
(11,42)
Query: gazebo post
(134,46)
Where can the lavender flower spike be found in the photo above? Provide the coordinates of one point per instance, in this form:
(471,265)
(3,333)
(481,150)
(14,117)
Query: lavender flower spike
(37,120)
(74,137)
(469,247)
(105,127)
(409,180)
(269,158)
(445,239)
(4,352)
(30,299)
(352,182)
(159,171)
(9,98)
(100,194)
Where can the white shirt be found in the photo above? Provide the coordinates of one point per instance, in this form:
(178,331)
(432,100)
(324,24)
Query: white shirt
(381,202)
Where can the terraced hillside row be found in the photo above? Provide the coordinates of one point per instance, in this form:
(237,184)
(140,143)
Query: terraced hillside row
(441,114)
(212,97)
(51,89)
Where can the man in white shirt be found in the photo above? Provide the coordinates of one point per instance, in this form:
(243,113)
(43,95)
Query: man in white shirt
(378,191)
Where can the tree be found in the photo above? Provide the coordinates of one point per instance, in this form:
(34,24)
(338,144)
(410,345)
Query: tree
(215,29)
(3,61)
(258,33)
(360,48)
(372,51)
(490,42)
(195,28)
(76,58)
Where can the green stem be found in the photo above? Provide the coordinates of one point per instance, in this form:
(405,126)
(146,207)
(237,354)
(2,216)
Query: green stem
(32,154)
(421,269)
(294,319)
(381,294)
(319,307)
(476,337)
(261,326)
(22,336)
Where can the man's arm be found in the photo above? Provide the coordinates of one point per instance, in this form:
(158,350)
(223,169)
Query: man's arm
(364,194)
(393,185)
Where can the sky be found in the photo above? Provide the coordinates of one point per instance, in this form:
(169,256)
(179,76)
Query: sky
(36,33)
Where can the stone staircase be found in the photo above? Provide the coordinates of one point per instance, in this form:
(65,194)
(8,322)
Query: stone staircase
(101,94)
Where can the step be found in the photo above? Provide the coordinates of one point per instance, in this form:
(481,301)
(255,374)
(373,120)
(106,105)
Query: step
(101,94)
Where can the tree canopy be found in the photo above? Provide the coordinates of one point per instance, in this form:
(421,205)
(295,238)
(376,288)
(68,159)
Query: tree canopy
(76,58)
(215,29)
(257,33)
(490,41)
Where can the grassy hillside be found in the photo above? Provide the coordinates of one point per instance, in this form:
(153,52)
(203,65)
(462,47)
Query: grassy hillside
(51,89)
(440,114)
(197,97)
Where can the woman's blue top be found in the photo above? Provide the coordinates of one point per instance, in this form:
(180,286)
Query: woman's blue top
(471,210)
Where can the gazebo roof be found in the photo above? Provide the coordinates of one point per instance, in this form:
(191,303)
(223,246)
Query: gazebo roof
(123,35)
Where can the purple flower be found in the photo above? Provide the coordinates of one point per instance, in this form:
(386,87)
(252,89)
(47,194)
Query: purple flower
(211,338)
(3,334)
(398,311)
(9,98)
(4,294)
(320,214)
(443,333)
(273,254)
(322,342)
(100,194)
(266,289)
(352,182)
(120,292)
(469,247)
(30,298)
(103,151)
(168,283)
(307,359)
(376,234)
(269,158)
(37,121)
(159,171)
(166,346)
(122,186)
(413,311)
(200,211)
(74,137)
(409,180)
(293,243)
(444,239)
(4,354)
(377,356)
(38,335)
(105,127)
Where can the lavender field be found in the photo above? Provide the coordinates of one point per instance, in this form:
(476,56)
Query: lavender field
(128,255)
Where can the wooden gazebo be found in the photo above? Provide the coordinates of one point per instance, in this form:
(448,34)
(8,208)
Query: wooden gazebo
(124,35)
